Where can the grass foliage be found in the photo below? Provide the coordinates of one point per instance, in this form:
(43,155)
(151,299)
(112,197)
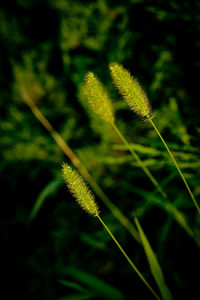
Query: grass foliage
(51,249)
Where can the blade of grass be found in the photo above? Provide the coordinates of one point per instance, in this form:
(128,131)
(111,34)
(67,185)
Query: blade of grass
(154,264)
(72,285)
(78,297)
(170,208)
(47,191)
(95,285)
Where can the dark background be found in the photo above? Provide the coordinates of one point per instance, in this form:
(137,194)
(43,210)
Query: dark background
(47,47)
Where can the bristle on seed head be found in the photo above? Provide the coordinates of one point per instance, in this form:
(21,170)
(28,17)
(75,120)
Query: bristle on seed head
(80,190)
(98,98)
(130,90)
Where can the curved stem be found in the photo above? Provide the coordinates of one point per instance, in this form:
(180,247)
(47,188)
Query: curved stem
(141,164)
(128,259)
(176,164)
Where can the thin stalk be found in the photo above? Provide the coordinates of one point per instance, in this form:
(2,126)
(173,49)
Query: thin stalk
(176,164)
(141,164)
(77,163)
(128,259)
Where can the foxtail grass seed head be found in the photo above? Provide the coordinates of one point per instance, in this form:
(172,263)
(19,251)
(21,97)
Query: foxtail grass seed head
(131,91)
(98,98)
(80,191)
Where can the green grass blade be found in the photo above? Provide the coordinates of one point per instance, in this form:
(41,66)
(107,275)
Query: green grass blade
(48,190)
(171,209)
(78,297)
(95,284)
(72,285)
(154,264)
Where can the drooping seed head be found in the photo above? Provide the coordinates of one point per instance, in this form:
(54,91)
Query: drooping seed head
(131,90)
(80,190)
(98,98)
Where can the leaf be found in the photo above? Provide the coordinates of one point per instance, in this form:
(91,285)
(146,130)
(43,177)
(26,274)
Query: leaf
(154,264)
(47,191)
(139,148)
(72,285)
(170,208)
(96,284)
(77,297)
(94,243)
(178,127)
(179,217)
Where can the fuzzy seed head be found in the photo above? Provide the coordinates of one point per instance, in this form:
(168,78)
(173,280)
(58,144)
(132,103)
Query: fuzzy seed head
(80,191)
(130,90)
(98,98)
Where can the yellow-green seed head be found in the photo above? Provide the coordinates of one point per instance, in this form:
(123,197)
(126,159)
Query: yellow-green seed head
(98,98)
(131,90)
(80,191)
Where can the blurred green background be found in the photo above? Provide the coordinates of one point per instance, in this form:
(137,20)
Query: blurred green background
(46,47)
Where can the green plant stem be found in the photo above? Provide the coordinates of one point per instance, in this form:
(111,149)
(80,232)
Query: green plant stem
(77,163)
(128,259)
(115,211)
(176,164)
(141,164)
